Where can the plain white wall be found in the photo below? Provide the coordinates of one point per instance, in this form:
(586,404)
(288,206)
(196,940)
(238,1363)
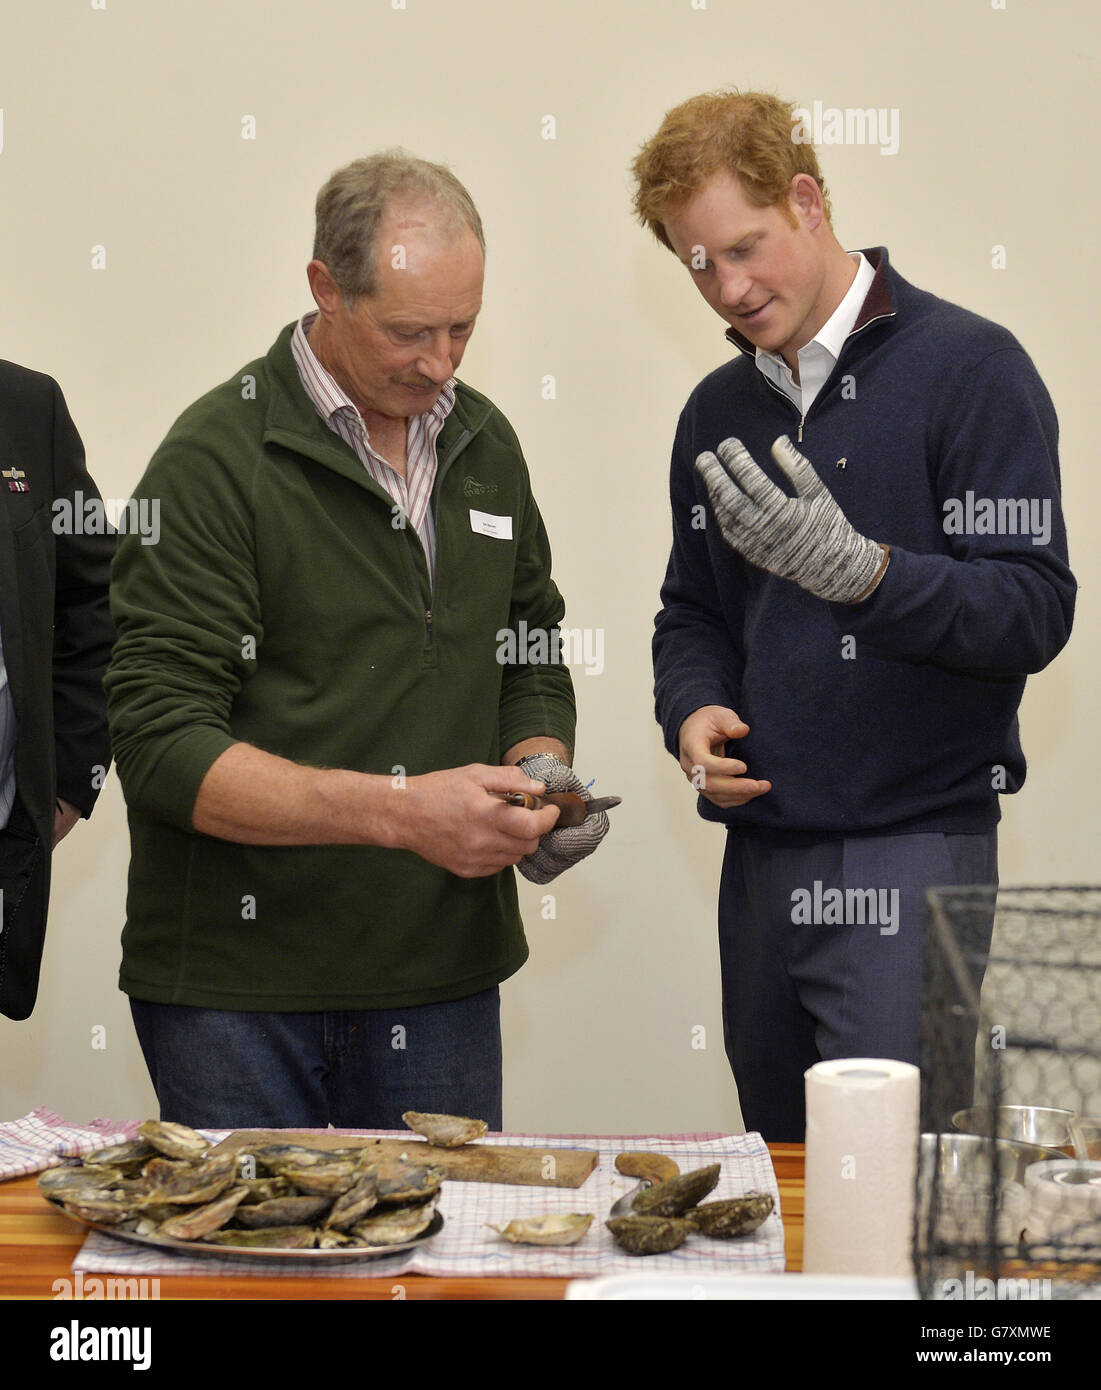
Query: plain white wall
(122,127)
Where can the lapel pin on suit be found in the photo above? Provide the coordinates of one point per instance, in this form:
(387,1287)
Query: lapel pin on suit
(17,479)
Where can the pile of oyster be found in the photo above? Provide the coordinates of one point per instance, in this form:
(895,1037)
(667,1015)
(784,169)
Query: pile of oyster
(283,1196)
(665,1215)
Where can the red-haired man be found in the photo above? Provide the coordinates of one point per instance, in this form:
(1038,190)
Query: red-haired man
(845,631)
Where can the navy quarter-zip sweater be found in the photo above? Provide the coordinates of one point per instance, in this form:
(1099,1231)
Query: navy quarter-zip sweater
(898,714)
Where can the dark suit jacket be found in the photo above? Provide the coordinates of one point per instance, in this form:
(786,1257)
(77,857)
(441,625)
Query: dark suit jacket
(56,633)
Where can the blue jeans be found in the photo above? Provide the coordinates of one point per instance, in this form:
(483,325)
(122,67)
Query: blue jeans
(229,1069)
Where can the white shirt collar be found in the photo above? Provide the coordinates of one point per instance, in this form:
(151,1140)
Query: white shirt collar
(839,325)
(822,352)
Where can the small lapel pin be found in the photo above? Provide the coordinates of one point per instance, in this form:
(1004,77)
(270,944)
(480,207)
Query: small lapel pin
(841,462)
(16,479)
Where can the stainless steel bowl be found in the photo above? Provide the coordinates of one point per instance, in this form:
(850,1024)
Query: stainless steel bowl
(965,1158)
(968,1190)
(1027,1124)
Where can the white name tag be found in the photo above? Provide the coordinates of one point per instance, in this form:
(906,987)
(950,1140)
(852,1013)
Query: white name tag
(484,524)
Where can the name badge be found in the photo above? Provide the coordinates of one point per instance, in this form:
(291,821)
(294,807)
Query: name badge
(485,524)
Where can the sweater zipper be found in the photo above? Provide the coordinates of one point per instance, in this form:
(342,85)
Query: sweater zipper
(784,394)
(441,468)
(803,415)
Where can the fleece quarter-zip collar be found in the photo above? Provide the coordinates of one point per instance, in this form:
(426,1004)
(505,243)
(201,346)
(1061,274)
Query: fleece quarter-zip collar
(292,421)
(878,302)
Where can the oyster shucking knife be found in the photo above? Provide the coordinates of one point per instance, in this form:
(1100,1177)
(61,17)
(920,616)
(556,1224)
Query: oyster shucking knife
(572,809)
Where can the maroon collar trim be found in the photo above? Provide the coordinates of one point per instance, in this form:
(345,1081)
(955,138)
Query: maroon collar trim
(877,302)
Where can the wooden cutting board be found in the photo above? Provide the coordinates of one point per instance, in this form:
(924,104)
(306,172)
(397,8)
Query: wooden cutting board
(508,1163)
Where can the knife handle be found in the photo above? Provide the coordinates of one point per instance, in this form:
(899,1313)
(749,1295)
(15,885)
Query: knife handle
(572,809)
(647,1166)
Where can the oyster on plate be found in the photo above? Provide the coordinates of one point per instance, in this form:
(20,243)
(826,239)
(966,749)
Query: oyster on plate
(129,1158)
(353,1205)
(174,1141)
(326,1179)
(397,1225)
(200,1221)
(283,1211)
(400,1182)
(267,1238)
(55,1182)
(171,1180)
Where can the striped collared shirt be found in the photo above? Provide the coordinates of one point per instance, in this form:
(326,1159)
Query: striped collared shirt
(413,493)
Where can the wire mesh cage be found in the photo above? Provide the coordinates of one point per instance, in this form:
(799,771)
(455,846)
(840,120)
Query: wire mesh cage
(1008,1199)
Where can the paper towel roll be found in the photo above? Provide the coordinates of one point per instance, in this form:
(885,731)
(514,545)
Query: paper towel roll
(862,1138)
(1064,1206)
(1068,1184)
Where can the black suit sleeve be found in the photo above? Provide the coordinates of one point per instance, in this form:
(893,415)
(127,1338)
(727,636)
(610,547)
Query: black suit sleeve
(83,632)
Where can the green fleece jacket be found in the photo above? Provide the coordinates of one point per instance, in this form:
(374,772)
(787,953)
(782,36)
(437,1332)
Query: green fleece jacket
(284,605)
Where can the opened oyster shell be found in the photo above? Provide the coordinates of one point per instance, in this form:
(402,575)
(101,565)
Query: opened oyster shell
(448,1131)
(283,1211)
(129,1158)
(107,1208)
(56,1182)
(353,1205)
(396,1226)
(264,1189)
(278,1158)
(200,1221)
(174,1141)
(326,1179)
(169,1180)
(269,1238)
(556,1228)
(400,1182)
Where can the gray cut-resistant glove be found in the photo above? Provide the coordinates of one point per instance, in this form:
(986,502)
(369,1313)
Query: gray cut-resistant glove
(560,849)
(804,538)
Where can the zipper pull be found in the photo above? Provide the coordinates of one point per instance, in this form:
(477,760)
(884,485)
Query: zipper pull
(799,437)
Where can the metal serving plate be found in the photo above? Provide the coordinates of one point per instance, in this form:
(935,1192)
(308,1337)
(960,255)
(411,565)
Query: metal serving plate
(269,1253)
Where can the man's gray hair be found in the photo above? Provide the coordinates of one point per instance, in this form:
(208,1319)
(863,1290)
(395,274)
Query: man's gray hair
(351,204)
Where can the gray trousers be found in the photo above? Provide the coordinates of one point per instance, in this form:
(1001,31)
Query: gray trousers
(821,947)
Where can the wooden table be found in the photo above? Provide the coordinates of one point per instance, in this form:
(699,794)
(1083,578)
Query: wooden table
(38,1245)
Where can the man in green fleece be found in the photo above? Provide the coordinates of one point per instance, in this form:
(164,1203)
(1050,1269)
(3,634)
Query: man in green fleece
(313,723)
